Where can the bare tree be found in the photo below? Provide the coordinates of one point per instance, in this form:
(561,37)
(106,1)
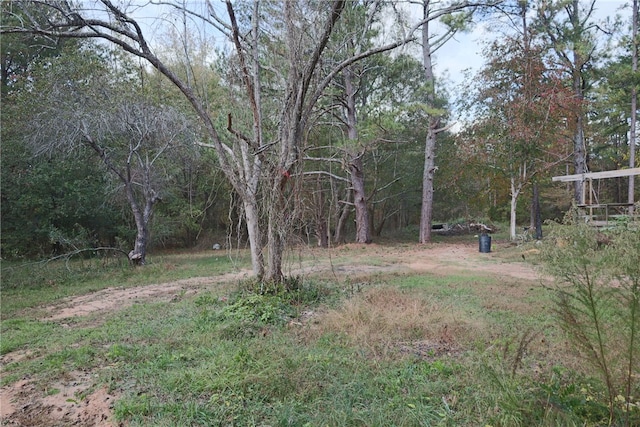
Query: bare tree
(81,104)
(297,36)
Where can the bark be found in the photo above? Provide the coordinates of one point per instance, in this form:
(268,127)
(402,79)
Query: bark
(139,253)
(275,247)
(363,234)
(426,211)
(356,166)
(532,210)
(252,218)
(634,107)
(515,192)
(579,152)
(378,229)
(345,212)
(535,223)
(321,229)
(537,215)
(142,217)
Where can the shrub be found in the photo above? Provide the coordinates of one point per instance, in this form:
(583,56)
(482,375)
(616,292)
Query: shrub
(259,303)
(598,306)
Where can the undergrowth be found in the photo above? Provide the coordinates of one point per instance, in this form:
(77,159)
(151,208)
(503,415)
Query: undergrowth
(597,303)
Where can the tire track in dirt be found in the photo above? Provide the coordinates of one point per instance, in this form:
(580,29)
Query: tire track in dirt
(111,299)
(22,403)
(74,400)
(436,259)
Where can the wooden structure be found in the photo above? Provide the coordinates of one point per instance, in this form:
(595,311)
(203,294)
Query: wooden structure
(598,213)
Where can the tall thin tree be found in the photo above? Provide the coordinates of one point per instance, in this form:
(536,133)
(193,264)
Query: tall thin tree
(569,27)
(634,104)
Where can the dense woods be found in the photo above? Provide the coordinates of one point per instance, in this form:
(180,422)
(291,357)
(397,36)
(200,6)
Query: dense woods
(273,123)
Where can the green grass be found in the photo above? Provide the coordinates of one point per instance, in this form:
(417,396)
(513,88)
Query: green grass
(26,285)
(235,358)
(274,380)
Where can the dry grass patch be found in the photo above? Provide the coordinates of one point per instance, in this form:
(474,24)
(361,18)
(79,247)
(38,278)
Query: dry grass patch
(386,321)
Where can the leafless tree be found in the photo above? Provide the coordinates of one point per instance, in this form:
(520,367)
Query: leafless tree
(132,137)
(260,156)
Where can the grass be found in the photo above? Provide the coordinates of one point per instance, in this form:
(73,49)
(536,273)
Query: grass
(401,349)
(27,285)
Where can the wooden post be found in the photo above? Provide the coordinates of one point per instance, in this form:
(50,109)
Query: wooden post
(590,199)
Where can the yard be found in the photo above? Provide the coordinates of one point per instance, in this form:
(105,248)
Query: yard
(372,335)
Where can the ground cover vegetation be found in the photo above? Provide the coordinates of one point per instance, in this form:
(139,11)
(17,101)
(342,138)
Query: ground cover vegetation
(457,346)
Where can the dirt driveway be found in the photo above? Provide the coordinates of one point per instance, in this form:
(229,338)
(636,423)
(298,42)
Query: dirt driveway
(23,404)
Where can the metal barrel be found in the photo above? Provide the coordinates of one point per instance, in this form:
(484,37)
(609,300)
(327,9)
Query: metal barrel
(485,243)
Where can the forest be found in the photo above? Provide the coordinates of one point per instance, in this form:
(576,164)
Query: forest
(265,125)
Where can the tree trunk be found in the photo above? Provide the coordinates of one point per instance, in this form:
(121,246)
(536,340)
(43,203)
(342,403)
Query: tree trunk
(536,217)
(356,166)
(252,218)
(515,192)
(579,152)
(579,147)
(380,226)
(426,211)
(345,212)
(275,248)
(532,210)
(322,233)
(634,107)
(321,228)
(363,234)
(138,254)
(278,217)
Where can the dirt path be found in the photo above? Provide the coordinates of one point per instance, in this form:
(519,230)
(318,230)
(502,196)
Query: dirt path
(22,404)
(436,259)
(111,299)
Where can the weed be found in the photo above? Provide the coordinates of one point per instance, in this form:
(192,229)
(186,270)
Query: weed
(257,303)
(598,305)
(573,397)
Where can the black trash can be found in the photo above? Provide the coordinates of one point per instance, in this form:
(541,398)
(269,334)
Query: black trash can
(485,243)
